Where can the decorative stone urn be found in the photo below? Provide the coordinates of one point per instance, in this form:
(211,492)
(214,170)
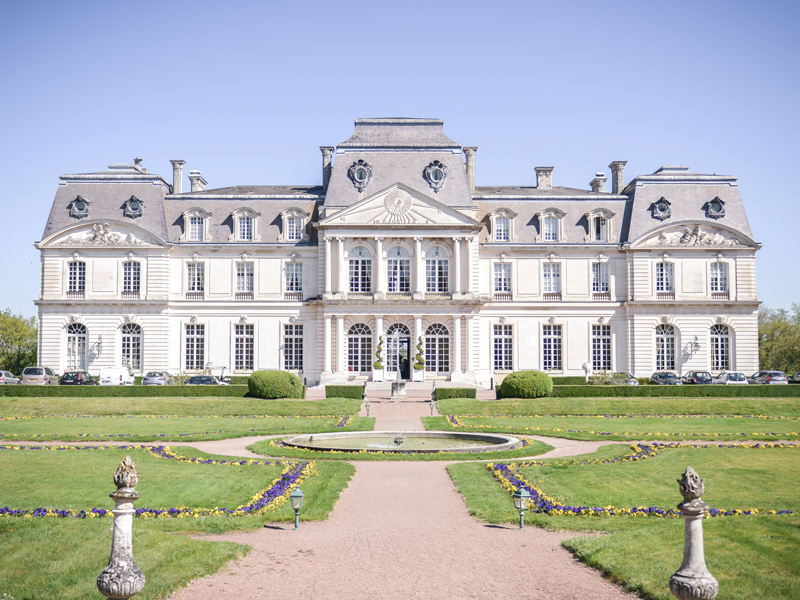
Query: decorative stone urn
(693,580)
(122,579)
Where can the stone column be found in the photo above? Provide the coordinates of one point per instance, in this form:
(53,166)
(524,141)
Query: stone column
(419,286)
(122,578)
(457,266)
(342,287)
(327,266)
(326,346)
(340,366)
(177,176)
(468,245)
(457,344)
(380,270)
(693,580)
(470,343)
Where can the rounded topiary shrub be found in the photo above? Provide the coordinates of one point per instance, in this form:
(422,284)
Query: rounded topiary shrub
(526,384)
(274,384)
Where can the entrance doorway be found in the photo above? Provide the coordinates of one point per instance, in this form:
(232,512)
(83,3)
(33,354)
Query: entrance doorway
(398,352)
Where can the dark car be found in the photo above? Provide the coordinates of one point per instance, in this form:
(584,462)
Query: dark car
(77,378)
(794,378)
(664,378)
(700,377)
(205,380)
(768,377)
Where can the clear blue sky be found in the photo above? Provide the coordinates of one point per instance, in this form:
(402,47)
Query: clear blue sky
(246,92)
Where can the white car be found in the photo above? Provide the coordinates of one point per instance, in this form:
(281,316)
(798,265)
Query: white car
(731,378)
(115,376)
(7,378)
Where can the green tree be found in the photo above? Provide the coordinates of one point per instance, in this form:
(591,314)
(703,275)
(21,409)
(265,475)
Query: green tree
(779,338)
(18,342)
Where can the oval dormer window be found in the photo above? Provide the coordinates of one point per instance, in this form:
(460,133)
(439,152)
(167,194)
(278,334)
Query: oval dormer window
(715,207)
(662,207)
(80,206)
(361,174)
(437,174)
(135,206)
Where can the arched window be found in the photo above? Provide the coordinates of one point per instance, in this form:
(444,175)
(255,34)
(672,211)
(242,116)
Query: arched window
(437,349)
(360,270)
(398,270)
(720,348)
(132,346)
(436,270)
(76,346)
(398,346)
(665,348)
(359,349)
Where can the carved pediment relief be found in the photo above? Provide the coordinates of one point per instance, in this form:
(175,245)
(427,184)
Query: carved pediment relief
(399,205)
(689,236)
(102,234)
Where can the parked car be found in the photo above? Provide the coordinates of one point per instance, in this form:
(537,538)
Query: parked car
(664,378)
(205,380)
(699,377)
(77,378)
(116,376)
(157,378)
(768,377)
(39,376)
(731,378)
(8,378)
(629,379)
(794,378)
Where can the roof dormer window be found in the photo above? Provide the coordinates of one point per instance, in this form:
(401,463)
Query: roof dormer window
(293,227)
(196,225)
(503,229)
(79,208)
(600,226)
(245,226)
(551,226)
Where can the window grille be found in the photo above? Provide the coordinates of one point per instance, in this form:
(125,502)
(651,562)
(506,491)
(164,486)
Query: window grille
(551,347)
(601,347)
(132,346)
(195,346)
(243,347)
(665,348)
(503,341)
(293,347)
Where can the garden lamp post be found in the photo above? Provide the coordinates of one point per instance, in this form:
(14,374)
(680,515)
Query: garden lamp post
(522,498)
(366,405)
(296,498)
(433,405)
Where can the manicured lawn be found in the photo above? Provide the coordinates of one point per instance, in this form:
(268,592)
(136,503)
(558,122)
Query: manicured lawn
(751,556)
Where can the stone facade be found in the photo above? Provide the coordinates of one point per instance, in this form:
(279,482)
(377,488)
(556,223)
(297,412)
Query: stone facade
(398,243)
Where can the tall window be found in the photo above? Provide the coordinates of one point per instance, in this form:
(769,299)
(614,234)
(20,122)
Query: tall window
(552,278)
(437,349)
(195,347)
(77,276)
(665,281)
(502,229)
(398,270)
(600,229)
(600,278)
(551,347)
(395,336)
(550,229)
(360,270)
(503,342)
(244,277)
(132,346)
(131,277)
(719,277)
(665,348)
(195,277)
(197,231)
(243,347)
(294,277)
(293,347)
(359,349)
(502,277)
(294,229)
(245,229)
(436,270)
(720,348)
(601,347)
(76,346)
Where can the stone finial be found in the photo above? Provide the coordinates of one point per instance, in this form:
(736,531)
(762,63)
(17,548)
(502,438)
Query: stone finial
(691,486)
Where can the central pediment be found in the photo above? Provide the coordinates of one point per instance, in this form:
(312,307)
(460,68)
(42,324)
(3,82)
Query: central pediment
(399,205)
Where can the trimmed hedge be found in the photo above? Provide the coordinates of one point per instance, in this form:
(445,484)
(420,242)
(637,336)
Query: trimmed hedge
(122,391)
(274,385)
(344,391)
(679,391)
(577,380)
(445,393)
(526,384)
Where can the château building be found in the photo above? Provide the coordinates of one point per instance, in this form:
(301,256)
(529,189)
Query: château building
(398,245)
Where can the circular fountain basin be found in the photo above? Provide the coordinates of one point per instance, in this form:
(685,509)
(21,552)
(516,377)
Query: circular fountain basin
(405,441)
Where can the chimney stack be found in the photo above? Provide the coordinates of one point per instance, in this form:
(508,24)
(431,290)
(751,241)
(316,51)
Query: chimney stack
(544,177)
(177,176)
(470,151)
(598,183)
(198,183)
(327,152)
(618,175)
